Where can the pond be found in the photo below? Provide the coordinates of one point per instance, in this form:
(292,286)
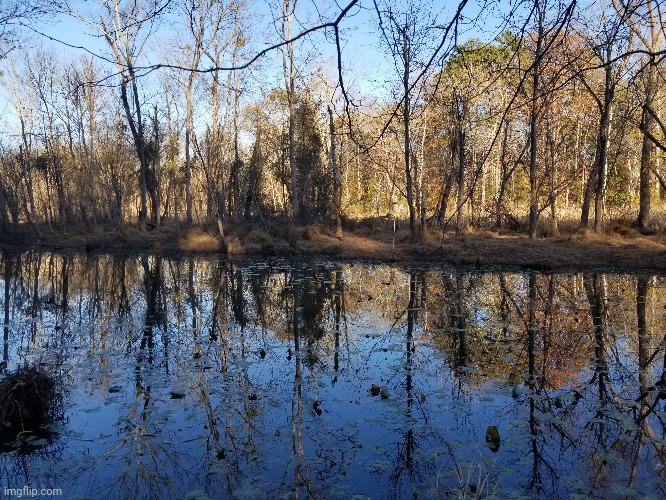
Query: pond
(210,378)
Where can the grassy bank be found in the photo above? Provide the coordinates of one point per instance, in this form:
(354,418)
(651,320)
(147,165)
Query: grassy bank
(620,248)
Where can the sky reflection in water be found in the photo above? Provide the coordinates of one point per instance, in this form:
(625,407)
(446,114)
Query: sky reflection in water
(206,378)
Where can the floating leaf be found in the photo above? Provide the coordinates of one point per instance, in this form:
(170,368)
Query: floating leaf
(493,438)
(518,391)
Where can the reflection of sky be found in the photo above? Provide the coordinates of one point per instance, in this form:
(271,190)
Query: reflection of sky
(427,440)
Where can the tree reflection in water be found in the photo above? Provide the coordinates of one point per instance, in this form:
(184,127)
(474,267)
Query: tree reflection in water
(263,379)
(8,263)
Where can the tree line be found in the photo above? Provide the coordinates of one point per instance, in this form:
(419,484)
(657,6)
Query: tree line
(559,117)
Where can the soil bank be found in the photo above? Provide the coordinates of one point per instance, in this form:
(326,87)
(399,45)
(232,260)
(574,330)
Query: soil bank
(622,250)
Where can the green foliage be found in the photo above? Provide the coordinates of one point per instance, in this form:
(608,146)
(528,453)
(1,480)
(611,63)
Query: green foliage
(314,182)
(476,59)
(617,194)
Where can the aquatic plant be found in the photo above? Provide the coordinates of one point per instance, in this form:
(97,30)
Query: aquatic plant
(30,399)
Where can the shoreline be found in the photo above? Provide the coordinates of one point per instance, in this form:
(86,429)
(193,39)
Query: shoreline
(624,251)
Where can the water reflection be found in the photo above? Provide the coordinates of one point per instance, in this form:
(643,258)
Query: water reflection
(295,379)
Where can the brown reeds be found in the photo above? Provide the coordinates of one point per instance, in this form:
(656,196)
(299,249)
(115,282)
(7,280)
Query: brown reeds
(620,247)
(30,399)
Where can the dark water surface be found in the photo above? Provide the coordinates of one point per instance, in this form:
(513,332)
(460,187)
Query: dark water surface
(205,378)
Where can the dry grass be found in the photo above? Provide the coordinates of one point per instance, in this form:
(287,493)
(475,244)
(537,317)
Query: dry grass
(620,247)
(198,241)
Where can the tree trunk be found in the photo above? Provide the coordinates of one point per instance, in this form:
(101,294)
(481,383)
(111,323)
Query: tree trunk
(421,190)
(551,162)
(602,149)
(406,117)
(157,168)
(253,175)
(507,174)
(188,168)
(137,135)
(4,217)
(459,110)
(24,158)
(336,210)
(288,12)
(215,146)
(534,127)
(446,194)
(589,189)
(460,200)
(646,151)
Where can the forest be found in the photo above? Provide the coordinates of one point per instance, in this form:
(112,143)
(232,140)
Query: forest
(532,117)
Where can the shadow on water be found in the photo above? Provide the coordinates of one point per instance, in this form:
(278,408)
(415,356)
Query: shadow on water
(212,378)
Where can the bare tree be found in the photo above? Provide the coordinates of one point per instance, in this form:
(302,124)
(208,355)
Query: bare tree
(606,45)
(205,22)
(336,202)
(547,33)
(13,13)
(287,11)
(24,102)
(540,13)
(126,25)
(407,37)
(646,19)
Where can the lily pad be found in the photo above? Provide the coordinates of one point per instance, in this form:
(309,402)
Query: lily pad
(493,438)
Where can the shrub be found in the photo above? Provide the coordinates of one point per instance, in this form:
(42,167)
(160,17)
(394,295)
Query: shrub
(30,399)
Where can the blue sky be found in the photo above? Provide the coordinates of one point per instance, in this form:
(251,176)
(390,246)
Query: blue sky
(367,65)
(369,71)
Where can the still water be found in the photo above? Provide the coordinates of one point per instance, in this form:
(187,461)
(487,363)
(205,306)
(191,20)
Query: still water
(206,378)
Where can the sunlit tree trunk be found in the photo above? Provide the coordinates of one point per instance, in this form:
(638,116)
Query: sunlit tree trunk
(646,22)
(421,176)
(552,140)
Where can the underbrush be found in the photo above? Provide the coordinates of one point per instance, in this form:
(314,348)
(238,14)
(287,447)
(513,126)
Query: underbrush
(30,400)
